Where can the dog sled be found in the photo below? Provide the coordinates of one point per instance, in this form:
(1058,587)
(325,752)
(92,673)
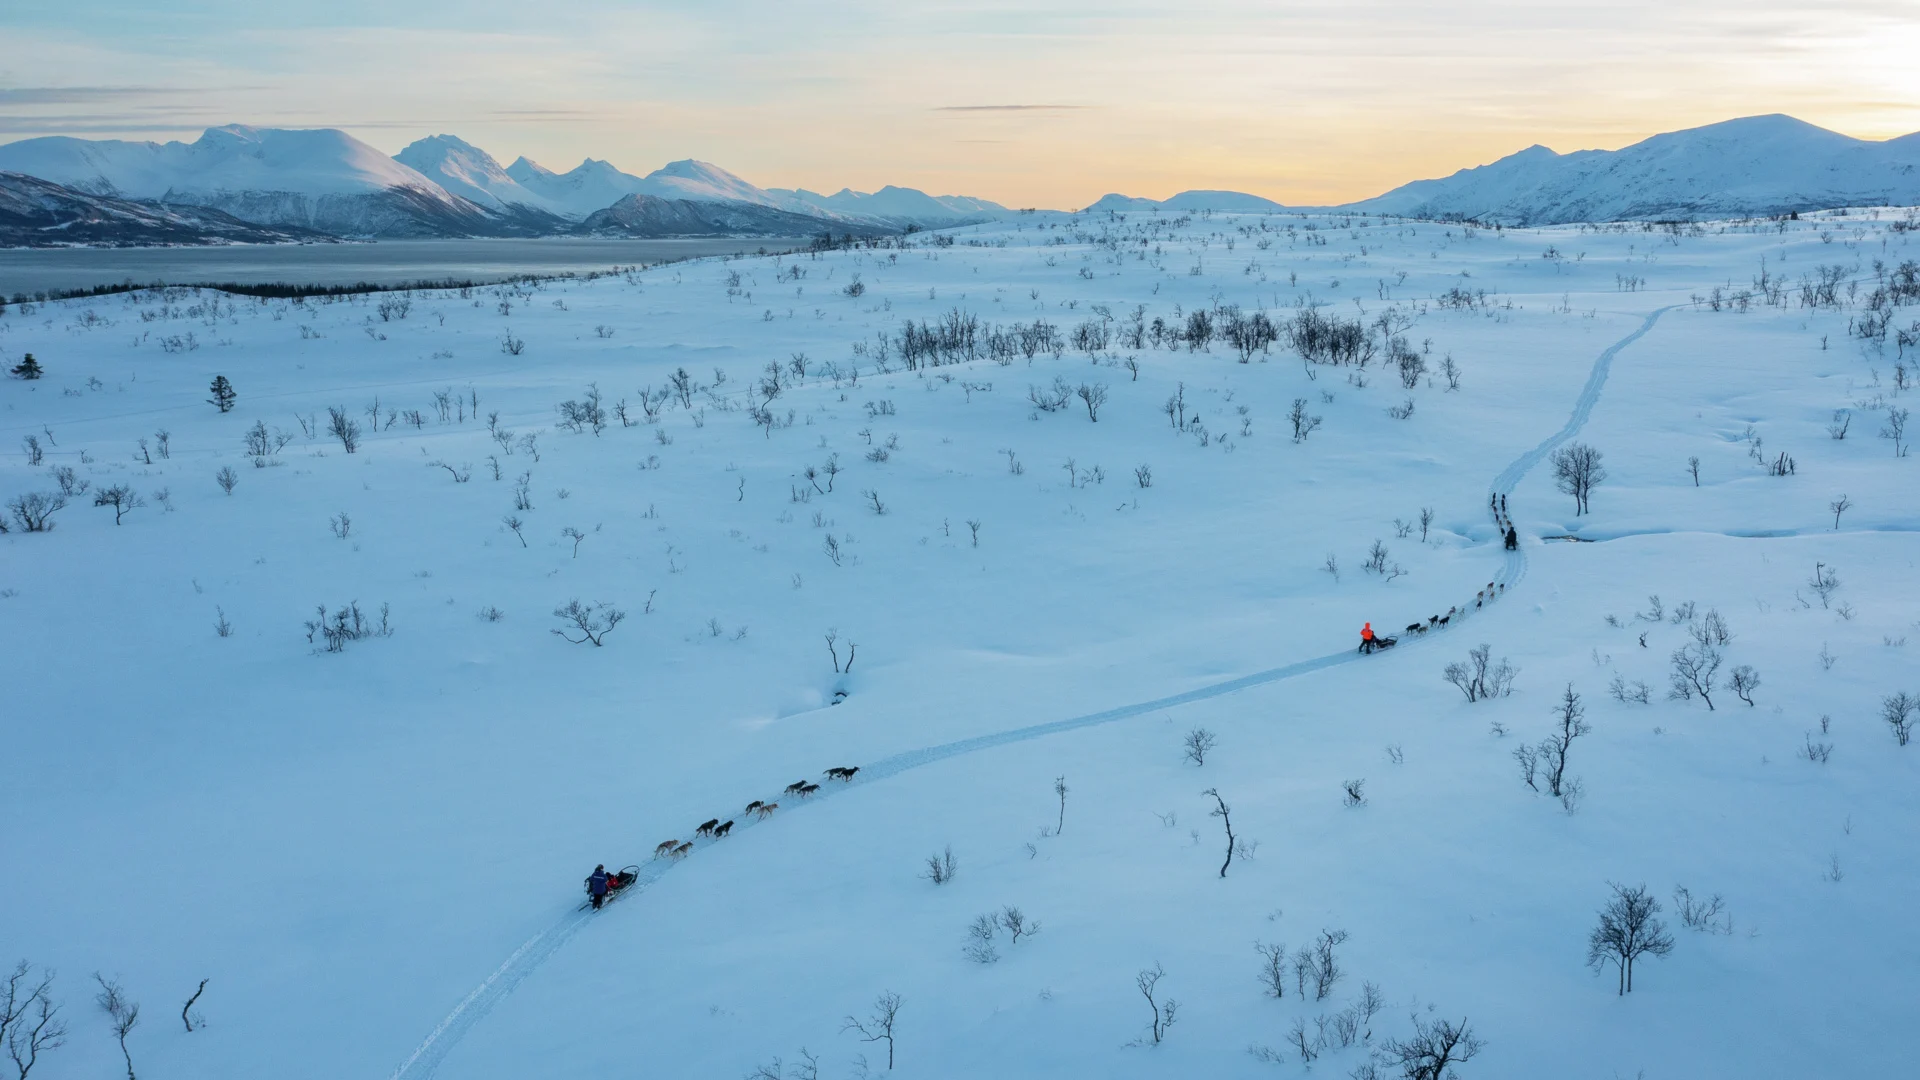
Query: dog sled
(1376,643)
(617,884)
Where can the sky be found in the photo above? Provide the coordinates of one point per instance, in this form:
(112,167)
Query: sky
(1027,102)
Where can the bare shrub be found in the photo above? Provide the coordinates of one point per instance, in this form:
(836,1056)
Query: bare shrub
(69,481)
(1480,678)
(123,1014)
(941,866)
(347,624)
(1016,923)
(1324,967)
(1433,1049)
(1303,425)
(1824,581)
(1707,916)
(1695,669)
(343,427)
(1164,1012)
(1198,743)
(1638,693)
(121,497)
(1093,395)
(980,934)
(1899,711)
(1225,814)
(593,622)
(188,1016)
(30,1023)
(35,509)
(1273,968)
(878,1027)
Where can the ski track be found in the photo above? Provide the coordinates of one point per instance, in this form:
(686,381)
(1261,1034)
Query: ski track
(426,1058)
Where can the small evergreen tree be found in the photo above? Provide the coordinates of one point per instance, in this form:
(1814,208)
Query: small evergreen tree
(223,395)
(27,369)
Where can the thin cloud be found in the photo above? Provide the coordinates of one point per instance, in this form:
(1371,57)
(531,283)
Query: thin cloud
(1008,108)
(562,115)
(82,95)
(29,126)
(73,95)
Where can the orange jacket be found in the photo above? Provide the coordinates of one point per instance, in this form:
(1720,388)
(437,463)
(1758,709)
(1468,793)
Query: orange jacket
(1366,632)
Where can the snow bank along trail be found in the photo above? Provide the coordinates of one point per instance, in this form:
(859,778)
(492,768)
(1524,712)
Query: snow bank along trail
(426,1058)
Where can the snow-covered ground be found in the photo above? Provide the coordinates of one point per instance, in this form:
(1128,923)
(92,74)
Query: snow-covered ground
(375,855)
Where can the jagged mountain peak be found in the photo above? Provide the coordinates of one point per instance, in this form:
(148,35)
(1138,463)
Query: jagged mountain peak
(471,173)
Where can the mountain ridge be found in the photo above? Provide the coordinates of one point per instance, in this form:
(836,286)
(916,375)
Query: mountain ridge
(40,213)
(324,181)
(1749,166)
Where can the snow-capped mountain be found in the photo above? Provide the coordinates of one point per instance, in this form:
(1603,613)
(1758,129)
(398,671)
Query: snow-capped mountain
(40,213)
(1752,166)
(231,158)
(701,182)
(326,180)
(320,179)
(592,185)
(596,185)
(471,173)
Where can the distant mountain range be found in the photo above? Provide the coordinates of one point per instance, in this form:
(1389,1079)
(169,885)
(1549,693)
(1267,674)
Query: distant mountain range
(1755,166)
(39,213)
(242,184)
(327,182)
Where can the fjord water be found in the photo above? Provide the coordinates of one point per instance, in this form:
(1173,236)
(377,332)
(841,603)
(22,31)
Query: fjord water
(387,262)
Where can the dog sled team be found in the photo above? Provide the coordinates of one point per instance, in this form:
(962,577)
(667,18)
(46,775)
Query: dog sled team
(1372,642)
(603,885)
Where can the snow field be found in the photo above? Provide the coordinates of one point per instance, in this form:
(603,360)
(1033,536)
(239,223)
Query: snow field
(349,844)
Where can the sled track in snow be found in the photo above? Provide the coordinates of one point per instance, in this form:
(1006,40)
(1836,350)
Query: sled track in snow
(426,1058)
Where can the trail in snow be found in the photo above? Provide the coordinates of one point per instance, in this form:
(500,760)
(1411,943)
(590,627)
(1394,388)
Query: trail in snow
(426,1058)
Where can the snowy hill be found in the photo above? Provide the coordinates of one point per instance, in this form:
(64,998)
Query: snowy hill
(40,213)
(897,203)
(1189,200)
(654,216)
(1758,165)
(320,179)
